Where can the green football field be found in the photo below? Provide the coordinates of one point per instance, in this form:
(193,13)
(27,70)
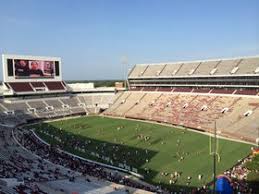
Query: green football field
(156,151)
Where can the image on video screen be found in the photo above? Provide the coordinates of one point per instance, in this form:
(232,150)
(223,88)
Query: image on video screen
(29,69)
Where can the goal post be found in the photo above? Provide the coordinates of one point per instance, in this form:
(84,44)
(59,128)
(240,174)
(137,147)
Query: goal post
(213,151)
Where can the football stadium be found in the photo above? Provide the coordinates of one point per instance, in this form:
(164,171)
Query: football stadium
(176,127)
(178,114)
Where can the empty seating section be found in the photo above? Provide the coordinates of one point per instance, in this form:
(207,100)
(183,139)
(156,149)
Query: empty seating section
(153,70)
(248,66)
(71,101)
(77,110)
(247,92)
(201,90)
(164,89)
(171,69)
(88,99)
(212,67)
(128,103)
(136,88)
(54,103)
(54,85)
(119,99)
(147,99)
(13,111)
(21,106)
(38,105)
(187,69)
(21,87)
(149,88)
(107,99)
(38,84)
(250,123)
(81,99)
(230,122)
(226,66)
(222,91)
(97,100)
(2,107)
(205,68)
(178,89)
(138,70)
(233,114)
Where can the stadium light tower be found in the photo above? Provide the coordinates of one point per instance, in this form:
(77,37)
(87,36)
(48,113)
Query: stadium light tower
(124,61)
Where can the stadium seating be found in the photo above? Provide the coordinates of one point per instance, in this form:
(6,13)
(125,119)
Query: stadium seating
(205,68)
(32,87)
(21,87)
(187,69)
(15,112)
(71,101)
(198,111)
(55,103)
(248,66)
(153,70)
(198,68)
(226,66)
(170,69)
(138,70)
(55,86)
(38,84)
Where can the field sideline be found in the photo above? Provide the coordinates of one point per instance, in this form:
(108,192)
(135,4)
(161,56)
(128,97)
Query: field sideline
(157,151)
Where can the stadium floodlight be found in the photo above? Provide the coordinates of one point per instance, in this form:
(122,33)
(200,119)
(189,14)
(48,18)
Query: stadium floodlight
(124,62)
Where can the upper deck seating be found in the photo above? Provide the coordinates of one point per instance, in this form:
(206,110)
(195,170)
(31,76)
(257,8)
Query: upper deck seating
(226,66)
(187,69)
(38,84)
(21,87)
(153,70)
(248,66)
(138,70)
(205,68)
(170,69)
(217,67)
(55,85)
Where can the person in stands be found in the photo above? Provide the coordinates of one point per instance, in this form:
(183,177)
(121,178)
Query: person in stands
(35,71)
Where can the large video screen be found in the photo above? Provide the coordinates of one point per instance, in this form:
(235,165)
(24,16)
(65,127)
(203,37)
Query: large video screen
(29,69)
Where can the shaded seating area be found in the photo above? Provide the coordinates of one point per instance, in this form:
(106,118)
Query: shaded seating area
(32,87)
(55,85)
(21,87)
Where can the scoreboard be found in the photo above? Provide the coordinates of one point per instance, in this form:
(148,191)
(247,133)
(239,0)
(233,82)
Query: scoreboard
(21,68)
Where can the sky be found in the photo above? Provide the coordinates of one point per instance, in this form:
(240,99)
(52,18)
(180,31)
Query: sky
(95,38)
